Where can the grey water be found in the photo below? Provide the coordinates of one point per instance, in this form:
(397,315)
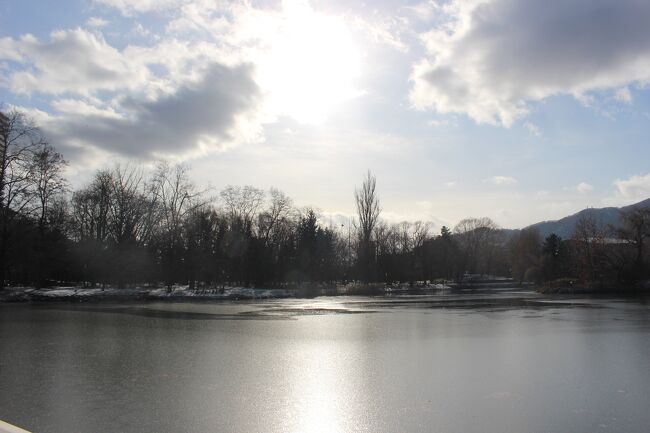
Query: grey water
(512,362)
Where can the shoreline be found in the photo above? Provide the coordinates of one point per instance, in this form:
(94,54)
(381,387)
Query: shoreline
(183,293)
(112,294)
(608,289)
(72,294)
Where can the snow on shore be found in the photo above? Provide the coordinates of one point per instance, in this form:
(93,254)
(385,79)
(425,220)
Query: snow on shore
(18,294)
(182,292)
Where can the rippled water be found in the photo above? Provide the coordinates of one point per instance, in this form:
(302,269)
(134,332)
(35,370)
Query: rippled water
(506,363)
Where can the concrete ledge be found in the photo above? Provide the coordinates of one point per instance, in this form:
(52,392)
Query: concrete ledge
(8,428)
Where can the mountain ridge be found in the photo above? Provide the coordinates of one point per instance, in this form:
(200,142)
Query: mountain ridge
(564,227)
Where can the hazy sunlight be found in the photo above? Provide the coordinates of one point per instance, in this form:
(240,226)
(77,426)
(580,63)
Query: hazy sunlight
(312,65)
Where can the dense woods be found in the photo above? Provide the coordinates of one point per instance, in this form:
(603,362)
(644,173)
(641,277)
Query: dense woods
(134,226)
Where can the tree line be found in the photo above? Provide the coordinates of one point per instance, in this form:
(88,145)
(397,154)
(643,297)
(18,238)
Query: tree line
(134,226)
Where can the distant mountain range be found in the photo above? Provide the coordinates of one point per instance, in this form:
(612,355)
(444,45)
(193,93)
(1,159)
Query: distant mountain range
(565,227)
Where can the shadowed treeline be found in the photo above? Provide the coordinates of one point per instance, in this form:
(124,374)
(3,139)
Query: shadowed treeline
(132,226)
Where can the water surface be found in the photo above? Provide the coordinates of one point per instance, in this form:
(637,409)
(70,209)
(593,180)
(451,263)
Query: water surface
(510,362)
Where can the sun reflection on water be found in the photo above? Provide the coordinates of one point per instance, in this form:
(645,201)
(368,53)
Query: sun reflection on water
(323,395)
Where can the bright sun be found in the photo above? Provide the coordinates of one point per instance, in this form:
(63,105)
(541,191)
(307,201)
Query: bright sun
(312,65)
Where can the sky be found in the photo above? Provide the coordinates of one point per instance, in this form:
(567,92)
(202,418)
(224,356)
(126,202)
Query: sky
(518,110)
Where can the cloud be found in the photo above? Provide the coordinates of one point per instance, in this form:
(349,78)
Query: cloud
(423,11)
(533,129)
(635,187)
(80,62)
(489,59)
(624,95)
(131,7)
(225,70)
(9,50)
(384,30)
(501,180)
(443,122)
(74,61)
(106,100)
(208,114)
(140,30)
(584,187)
(96,22)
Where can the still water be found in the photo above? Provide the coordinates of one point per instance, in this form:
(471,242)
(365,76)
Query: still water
(513,362)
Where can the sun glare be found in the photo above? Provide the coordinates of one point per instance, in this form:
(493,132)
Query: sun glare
(312,65)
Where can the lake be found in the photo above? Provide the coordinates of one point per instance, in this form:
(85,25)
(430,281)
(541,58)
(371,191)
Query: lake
(503,362)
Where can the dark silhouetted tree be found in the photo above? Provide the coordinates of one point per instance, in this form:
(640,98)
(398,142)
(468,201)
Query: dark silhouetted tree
(368,211)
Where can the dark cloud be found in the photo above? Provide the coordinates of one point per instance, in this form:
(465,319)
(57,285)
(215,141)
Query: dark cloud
(503,53)
(205,111)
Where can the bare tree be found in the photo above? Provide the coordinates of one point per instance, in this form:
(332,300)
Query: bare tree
(368,208)
(525,254)
(176,198)
(90,208)
(48,183)
(242,202)
(280,208)
(476,237)
(175,195)
(19,140)
(636,231)
(48,166)
(200,235)
(368,211)
(134,215)
(404,230)
(420,232)
(382,234)
(589,237)
(115,219)
(394,238)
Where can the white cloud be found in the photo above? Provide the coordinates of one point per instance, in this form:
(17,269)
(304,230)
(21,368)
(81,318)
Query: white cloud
(294,61)
(130,7)
(635,187)
(441,122)
(72,61)
(79,107)
(624,95)
(82,62)
(9,50)
(425,10)
(140,30)
(199,99)
(96,22)
(385,31)
(490,59)
(533,129)
(584,187)
(501,180)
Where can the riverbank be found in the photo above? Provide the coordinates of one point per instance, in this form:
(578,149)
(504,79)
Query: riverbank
(567,286)
(180,292)
(80,294)
(306,291)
